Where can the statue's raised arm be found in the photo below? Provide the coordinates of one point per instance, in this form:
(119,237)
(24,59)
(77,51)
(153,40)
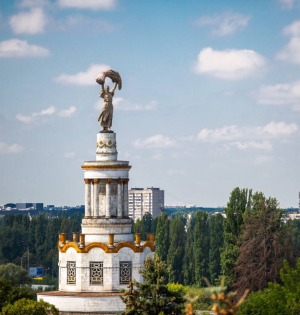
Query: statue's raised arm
(105,118)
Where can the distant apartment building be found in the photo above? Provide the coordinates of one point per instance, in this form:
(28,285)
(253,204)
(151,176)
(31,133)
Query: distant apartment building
(29,205)
(141,201)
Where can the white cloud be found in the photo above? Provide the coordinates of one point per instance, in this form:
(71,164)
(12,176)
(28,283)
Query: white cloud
(244,137)
(32,3)
(288,4)
(229,64)
(225,23)
(13,148)
(157,141)
(32,22)
(265,145)
(120,103)
(280,94)
(291,52)
(20,48)
(67,112)
(69,155)
(83,78)
(292,29)
(88,4)
(34,116)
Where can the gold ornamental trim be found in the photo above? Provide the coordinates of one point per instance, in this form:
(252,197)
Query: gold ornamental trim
(101,167)
(109,144)
(86,249)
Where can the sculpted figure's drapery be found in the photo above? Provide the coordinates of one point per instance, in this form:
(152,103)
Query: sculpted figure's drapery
(106,116)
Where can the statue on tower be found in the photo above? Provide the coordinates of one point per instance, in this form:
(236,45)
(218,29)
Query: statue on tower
(106,116)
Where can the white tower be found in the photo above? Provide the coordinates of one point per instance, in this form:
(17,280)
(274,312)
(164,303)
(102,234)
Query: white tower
(103,259)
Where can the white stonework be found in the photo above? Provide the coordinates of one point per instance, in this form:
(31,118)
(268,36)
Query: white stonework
(94,269)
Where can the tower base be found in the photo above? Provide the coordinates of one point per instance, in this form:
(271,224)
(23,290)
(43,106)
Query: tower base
(82,303)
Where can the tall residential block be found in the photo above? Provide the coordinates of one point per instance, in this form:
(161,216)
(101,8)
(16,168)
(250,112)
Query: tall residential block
(141,201)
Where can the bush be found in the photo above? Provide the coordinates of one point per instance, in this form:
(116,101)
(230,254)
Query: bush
(201,298)
(29,307)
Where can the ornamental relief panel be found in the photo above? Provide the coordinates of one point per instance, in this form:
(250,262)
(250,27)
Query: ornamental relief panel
(110,144)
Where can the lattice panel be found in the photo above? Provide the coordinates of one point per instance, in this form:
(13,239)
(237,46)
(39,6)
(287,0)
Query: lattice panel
(96,272)
(125,272)
(71,272)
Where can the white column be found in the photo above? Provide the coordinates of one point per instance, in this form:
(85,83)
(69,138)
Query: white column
(107,205)
(96,198)
(87,198)
(120,198)
(125,197)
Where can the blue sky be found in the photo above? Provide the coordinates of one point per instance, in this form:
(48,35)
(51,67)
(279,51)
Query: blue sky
(210,98)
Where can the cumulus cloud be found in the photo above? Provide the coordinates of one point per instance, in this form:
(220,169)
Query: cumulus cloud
(85,78)
(13,148)
(292,29)
(157,141)
(88,4)
(32,22)
(122,104)
(264,145)
(20,48)
(280,94)
(67,112)
(291,52)
(263,159)
(225,23)
(36,117)
(234,133)
(229,64)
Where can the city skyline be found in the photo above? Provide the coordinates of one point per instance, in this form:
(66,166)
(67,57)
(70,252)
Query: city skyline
(210,102)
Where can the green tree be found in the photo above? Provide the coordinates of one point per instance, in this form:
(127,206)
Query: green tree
(239,201)
(138,226)
(265,243)
(152,296)
(154,225)
(189,261)
(176,250)
(201,247)
(162,237)
(276,299)
(66,227)
(215,246)
(9,293)
(147,224)
(182,215)
(29,307)
(15,274)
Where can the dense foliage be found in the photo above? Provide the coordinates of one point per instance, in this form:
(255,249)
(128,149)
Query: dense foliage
(29,307)
(265,242)
(39,234)
(153,295)
(9,293)
(276,299)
